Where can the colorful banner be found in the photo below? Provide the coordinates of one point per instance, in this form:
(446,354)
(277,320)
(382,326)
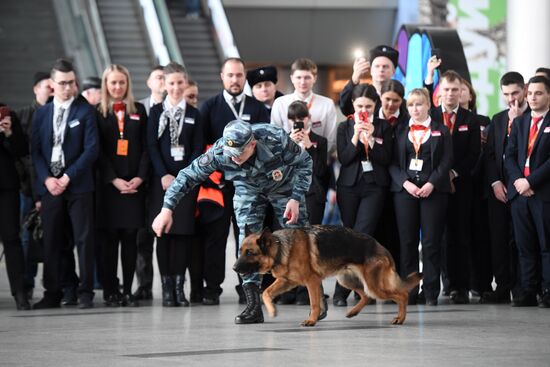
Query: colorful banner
(481,25)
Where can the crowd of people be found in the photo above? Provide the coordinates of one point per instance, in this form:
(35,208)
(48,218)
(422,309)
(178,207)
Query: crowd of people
(99,169)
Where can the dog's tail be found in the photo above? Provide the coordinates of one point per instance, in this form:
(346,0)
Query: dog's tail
(412,280)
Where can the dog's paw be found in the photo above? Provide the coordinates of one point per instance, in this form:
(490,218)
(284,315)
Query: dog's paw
(272,311)
(308,322)
(397,321)
(351,314)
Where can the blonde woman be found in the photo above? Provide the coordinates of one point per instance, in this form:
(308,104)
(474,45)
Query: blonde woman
(123,167)
(420,182)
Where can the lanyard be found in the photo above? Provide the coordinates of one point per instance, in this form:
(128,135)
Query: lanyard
(310,103)
(119,108)
(237,116)
(418,143)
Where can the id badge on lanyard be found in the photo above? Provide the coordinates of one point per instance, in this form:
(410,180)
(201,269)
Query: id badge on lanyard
(241,109)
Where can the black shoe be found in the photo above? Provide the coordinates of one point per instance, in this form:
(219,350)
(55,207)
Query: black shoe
(211,301)
(339,302)
(240,292)
(29,292)
(168,292)
(128,300)
(495,297)
(459,298)
(525,299)
(545,299)
(47,302)
(180,294)
(85,301)
(421,299)
(143,294)
(324,310)
(112,300)
(21,301)
(69,297)
(252,314)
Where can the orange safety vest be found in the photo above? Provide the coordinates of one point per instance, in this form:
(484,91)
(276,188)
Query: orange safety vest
(210,194)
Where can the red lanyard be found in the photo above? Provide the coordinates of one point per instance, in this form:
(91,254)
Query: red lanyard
(119,108)
(418,143)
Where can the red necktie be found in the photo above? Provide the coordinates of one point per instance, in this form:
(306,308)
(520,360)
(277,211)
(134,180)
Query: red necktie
(531,142)
(392,120)
(418,128)
(448,118)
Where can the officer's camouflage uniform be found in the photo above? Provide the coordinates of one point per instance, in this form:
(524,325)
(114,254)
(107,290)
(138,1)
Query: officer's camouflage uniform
(278,171)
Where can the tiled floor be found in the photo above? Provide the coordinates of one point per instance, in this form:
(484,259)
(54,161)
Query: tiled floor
(446,335)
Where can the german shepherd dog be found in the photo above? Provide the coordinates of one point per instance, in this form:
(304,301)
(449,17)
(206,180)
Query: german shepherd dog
(306,256)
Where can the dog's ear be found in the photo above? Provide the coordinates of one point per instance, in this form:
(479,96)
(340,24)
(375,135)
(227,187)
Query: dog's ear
(264,240)
(247,231)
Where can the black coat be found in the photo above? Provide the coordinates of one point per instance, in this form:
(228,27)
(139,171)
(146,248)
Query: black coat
(192,139)
(320,178)
(350,156)
(116,210)
(11,149)
(441,148)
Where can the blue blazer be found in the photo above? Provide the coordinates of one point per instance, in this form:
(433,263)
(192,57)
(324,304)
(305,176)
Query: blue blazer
(80,146)
(539,163)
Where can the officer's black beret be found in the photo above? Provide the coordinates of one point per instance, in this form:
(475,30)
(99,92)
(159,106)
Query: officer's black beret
(265,73)
(91,82)
(387,51)
(39,76)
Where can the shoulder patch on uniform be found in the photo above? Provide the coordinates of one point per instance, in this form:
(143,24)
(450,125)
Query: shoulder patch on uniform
(206,158)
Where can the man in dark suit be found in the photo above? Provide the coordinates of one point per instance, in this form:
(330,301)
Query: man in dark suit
(503,262)
(64,149)
(13,145)
(145,240)
(217,112)
(466,139)
(527,165)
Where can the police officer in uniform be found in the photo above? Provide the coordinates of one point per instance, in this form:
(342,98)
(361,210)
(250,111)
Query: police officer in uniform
(266,166)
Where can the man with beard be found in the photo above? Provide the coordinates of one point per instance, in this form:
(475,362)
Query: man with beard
(230,104)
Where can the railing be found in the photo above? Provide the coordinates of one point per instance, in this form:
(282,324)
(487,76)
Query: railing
(161,33)
(221,29)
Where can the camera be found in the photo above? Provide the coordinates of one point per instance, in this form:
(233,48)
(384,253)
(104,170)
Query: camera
(298,125)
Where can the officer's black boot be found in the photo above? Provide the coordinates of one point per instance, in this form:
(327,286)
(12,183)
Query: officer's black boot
(252,314)
(180,294)
(168,291)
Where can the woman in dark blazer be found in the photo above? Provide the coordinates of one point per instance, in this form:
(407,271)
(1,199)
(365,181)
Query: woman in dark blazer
(364,145)
(122,168)
(420,169)
(175,138)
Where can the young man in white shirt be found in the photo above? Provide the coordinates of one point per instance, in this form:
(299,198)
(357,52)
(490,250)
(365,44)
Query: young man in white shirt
(303,75)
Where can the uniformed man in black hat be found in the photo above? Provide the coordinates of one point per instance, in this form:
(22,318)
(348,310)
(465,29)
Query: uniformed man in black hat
(382,65)
(263,82)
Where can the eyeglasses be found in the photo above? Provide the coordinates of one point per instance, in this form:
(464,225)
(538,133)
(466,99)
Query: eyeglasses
(65,84)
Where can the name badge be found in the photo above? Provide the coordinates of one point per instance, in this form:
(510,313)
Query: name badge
(436,133)
(134,116)
(122,147)
(367,166)
(74,123)
(245,117)
(56,153)
(546,130)
(462,128)
(379,140)
(316,124)
(177,152)
(189,120)
(416,164)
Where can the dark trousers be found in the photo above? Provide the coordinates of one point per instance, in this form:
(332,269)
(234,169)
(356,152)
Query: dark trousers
(78,208)
(315,209)
(360,206)
(128,254)
(426,216)
(386,232)
(531,218)
(173,254)
(458,235)
(213,236)
(144,263)
(9,234)
(481,275)
(503,245)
